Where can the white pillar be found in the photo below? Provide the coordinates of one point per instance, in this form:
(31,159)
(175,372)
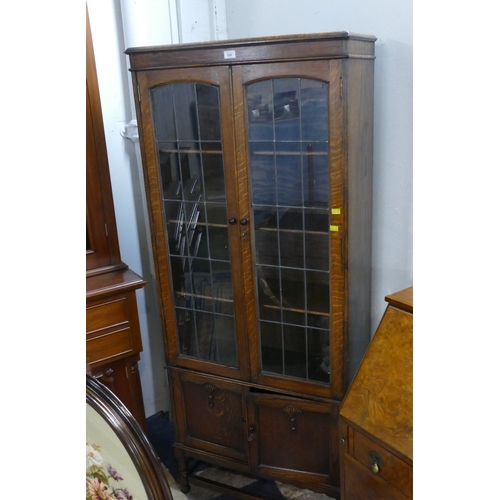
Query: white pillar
(149,22)
(201,20)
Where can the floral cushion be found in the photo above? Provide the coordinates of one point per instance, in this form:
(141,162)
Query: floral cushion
(111,474)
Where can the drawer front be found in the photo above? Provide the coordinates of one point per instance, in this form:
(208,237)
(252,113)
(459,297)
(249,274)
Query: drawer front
(390,468)
(109,345)
(361,484)
(107,314)
(113,330)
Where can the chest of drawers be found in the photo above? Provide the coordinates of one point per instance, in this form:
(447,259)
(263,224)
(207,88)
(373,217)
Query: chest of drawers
(113,337)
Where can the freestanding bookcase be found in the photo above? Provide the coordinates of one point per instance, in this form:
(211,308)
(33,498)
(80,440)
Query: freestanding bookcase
(257,158)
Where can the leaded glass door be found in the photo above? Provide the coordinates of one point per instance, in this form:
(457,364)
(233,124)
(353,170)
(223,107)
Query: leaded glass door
(288,138)
(192,145)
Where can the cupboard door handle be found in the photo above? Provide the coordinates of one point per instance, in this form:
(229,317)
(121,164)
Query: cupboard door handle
(232,221)
(210,388)
(251,430)
(292,412)
(243,222)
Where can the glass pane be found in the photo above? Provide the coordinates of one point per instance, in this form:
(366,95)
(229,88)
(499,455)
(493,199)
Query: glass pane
(219,243)
(222,288)
(289,173)
(318,298)
(295,351)
(315,174)
(289,179)
(316,251)
(168,159)
(205,335)
(318,360)
(291,245)
(263,172)
(269,287)
(294,301)
(286,109)
(260,111)
(271,347)
(213,172)
(316,220)
(187,122)
(163,103)
(185,111)
(217,215)
(208,111)
(314,110)
(225,340)
(199,285)
(266,236)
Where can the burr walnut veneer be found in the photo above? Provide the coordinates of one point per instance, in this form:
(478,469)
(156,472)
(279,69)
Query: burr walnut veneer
(376,417)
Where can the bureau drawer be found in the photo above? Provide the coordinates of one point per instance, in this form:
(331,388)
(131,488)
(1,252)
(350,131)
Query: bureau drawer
(361,484)
(114,344)
(107,314)
(390,468)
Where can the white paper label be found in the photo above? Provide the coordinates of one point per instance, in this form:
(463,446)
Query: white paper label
(229,54)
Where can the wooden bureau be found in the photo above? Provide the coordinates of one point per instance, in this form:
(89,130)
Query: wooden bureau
(376,416)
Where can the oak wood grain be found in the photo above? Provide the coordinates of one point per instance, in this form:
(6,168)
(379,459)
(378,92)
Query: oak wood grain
(245,404)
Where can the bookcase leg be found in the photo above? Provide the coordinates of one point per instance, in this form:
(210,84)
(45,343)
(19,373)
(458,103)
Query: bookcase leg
(183,471)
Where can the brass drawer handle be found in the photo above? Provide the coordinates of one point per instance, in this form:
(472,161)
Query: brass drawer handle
(376,460)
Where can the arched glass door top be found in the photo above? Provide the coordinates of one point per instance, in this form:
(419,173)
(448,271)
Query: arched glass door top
(189,144)
(287,120)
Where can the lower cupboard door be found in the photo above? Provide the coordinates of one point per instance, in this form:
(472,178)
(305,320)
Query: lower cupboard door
(210,416)
(293,440)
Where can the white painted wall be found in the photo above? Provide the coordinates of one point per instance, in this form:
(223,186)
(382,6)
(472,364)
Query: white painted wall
(117,25)
(201,20)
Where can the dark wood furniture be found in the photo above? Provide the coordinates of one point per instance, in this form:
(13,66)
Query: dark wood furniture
(376,417)
(257,159)
(113,333)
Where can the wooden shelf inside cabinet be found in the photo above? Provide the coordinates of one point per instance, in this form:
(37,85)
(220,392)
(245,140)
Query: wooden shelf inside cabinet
(376,417)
